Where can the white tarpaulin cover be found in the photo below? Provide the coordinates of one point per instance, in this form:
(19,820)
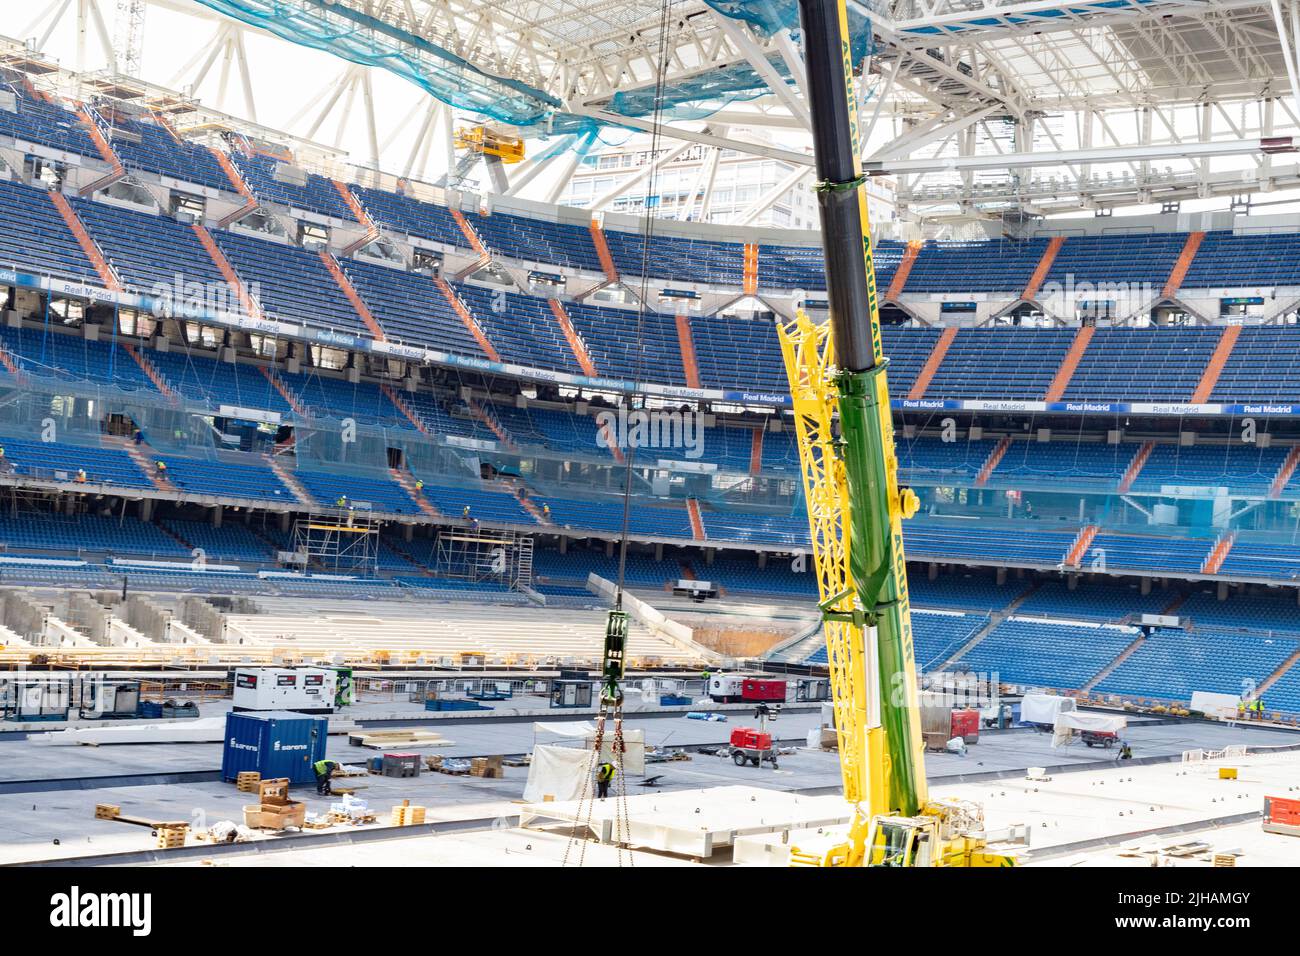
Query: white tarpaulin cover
(558,773)
(1069,722)
(1043,708)
(633,740)
(1215,705)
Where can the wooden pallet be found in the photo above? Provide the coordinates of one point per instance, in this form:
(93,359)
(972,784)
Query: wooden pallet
(248,781)
(171,837)
(398,739)
(406,815)
(110,811)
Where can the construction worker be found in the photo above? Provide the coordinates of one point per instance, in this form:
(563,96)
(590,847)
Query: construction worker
(1258,707)
(341,501)
(324,769)
(419,484)
(1125,751)
(546,510)
(465,512)
(160,466)
(604,776)
(81,476)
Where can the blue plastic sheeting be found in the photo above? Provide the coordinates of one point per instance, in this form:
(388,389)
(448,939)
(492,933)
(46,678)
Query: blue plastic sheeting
(772,16)
(361,38)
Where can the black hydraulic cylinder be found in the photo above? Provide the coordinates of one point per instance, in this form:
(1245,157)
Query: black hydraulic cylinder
(850,286)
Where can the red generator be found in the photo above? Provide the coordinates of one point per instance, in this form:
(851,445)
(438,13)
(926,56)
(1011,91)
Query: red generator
(966,725)
(757,689)
(750,746)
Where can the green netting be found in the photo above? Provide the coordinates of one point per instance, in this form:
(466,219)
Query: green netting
(361,38)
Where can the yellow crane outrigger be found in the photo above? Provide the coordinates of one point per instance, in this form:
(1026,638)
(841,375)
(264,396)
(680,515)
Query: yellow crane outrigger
(845,432)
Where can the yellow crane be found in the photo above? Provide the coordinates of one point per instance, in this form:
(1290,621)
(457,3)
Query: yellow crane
(844,428)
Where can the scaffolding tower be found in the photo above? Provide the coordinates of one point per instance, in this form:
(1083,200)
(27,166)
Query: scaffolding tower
(338,543)
(503,557)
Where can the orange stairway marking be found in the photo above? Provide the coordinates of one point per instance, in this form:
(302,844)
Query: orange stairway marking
(1069,364)
(932,363)
(350,291)
(697,522)
(490,420)
(751,269)
(10,365)
(403,478)
(1179,272)
(576,345)
(1135,466)
(1044,266)
(531,506)
(467,318)
(360,215)
(904,269)
(1214,560)
(404,407)
(151,370)
(78,229)
(285,391)
(106,153)
(995,456)
(470,233)
(144,458)
(602,252)
(1081,545)
(246,301)
(238,184)
(290,481)
(1284,473)
(1214,368)
(756,452)
(686,345)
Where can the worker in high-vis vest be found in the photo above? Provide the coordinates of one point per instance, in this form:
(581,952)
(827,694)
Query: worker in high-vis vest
(604,776)
(324,770)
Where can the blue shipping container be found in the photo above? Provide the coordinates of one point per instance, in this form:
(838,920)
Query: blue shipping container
(275,743)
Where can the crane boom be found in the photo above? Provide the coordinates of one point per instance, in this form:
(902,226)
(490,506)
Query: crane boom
(844,428)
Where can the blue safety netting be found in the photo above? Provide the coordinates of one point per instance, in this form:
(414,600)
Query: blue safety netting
(360,38)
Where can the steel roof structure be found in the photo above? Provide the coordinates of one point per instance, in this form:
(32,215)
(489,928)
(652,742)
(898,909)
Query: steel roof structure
(1090,104)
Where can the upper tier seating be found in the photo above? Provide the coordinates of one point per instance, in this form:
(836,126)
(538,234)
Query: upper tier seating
(409,216)
(289,282)
(1143,365)
(1136,260)
(409,307)
(1264,259)
(1001,266)
(146,146)
(37,119)
(533,240)
(33,236)
(521,327)
(317,194)
(674,257)
(1264,367)
(991,363)
(152,254)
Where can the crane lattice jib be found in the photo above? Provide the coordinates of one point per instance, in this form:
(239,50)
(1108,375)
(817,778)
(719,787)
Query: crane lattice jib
(871,623)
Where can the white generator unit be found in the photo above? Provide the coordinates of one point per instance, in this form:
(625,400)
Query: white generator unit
(308,690)
(726,688)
